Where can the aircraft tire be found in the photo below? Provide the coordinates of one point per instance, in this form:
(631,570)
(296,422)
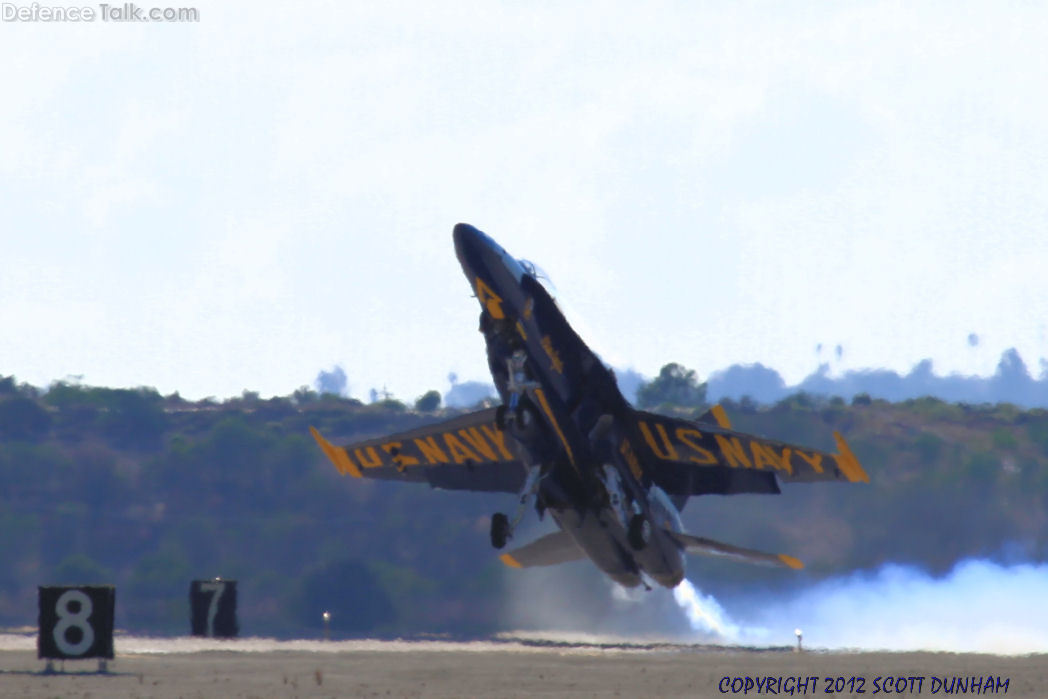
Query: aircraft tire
(525,423)
(500,417)
(638,532)
(499,530)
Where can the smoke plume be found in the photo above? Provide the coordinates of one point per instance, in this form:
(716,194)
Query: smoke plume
(980,606)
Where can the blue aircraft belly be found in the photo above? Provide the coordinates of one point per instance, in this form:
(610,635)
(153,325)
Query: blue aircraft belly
(592,532)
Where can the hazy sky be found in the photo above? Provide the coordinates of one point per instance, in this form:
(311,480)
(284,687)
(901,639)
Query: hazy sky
(240,202)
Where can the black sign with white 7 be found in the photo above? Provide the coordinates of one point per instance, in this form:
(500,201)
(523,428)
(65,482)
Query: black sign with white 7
(213,608)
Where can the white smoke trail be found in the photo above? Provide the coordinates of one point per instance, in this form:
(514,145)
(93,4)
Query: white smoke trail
(979,607)
(704,613)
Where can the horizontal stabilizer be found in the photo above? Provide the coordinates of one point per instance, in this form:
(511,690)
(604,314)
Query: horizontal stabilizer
(551,549)
(709,547)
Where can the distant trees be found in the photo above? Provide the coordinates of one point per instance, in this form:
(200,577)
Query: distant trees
(303,395)
(22,418)
(428,402)
(78,568)
(132,418)
(675,385)
(239,489)
(349,592)
(1011,383)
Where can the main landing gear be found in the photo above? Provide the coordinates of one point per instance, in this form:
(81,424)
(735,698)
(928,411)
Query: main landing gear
(501,527)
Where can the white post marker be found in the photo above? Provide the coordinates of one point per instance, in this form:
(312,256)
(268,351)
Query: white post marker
(798,632)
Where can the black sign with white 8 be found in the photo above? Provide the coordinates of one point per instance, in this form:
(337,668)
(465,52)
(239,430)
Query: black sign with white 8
(76,622)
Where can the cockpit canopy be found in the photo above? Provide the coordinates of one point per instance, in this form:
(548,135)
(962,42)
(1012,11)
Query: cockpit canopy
(539,275)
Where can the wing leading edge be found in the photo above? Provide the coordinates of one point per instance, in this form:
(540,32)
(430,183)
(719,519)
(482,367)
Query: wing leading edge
(467,452)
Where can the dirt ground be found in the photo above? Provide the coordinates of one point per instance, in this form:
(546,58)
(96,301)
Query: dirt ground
(374,669)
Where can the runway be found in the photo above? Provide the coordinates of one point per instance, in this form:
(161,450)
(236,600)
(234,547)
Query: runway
(507,666)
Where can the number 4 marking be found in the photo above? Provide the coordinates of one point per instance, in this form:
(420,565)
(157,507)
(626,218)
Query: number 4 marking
(490,300)
(216,589)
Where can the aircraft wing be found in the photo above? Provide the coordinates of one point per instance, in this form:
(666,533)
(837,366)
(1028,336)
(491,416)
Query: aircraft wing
(694,458)
(467,452)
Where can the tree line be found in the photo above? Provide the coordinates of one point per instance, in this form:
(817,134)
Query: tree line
(148,492)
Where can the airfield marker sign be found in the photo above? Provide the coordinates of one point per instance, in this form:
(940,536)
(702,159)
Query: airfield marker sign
(213,608)
(75,622)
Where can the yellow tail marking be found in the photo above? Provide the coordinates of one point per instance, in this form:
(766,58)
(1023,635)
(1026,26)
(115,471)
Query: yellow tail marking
(337,455)
(720,416)
(510,561)
(541,395)
(847,462)
(791,561)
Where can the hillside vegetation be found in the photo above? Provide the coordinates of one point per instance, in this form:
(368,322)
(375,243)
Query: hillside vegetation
(149,492)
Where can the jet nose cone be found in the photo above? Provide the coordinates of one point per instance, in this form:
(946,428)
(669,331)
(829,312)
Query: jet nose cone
(465,236)
(471,247)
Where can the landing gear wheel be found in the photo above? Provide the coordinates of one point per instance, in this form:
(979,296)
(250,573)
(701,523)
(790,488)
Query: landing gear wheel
(524,422)
(639,532)
(500,417)
(499,530)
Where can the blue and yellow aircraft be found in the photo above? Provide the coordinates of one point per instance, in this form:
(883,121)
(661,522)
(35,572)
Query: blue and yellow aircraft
(614,478)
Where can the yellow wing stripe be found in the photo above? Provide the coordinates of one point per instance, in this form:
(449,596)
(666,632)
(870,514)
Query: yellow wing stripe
(720,416)
(337,455)
(847,462)
(510,561)
(791,561)
(540,394)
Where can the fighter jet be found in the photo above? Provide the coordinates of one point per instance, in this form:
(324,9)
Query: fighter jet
(565,440)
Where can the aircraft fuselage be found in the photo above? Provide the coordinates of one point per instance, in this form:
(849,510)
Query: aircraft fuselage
(564,409)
